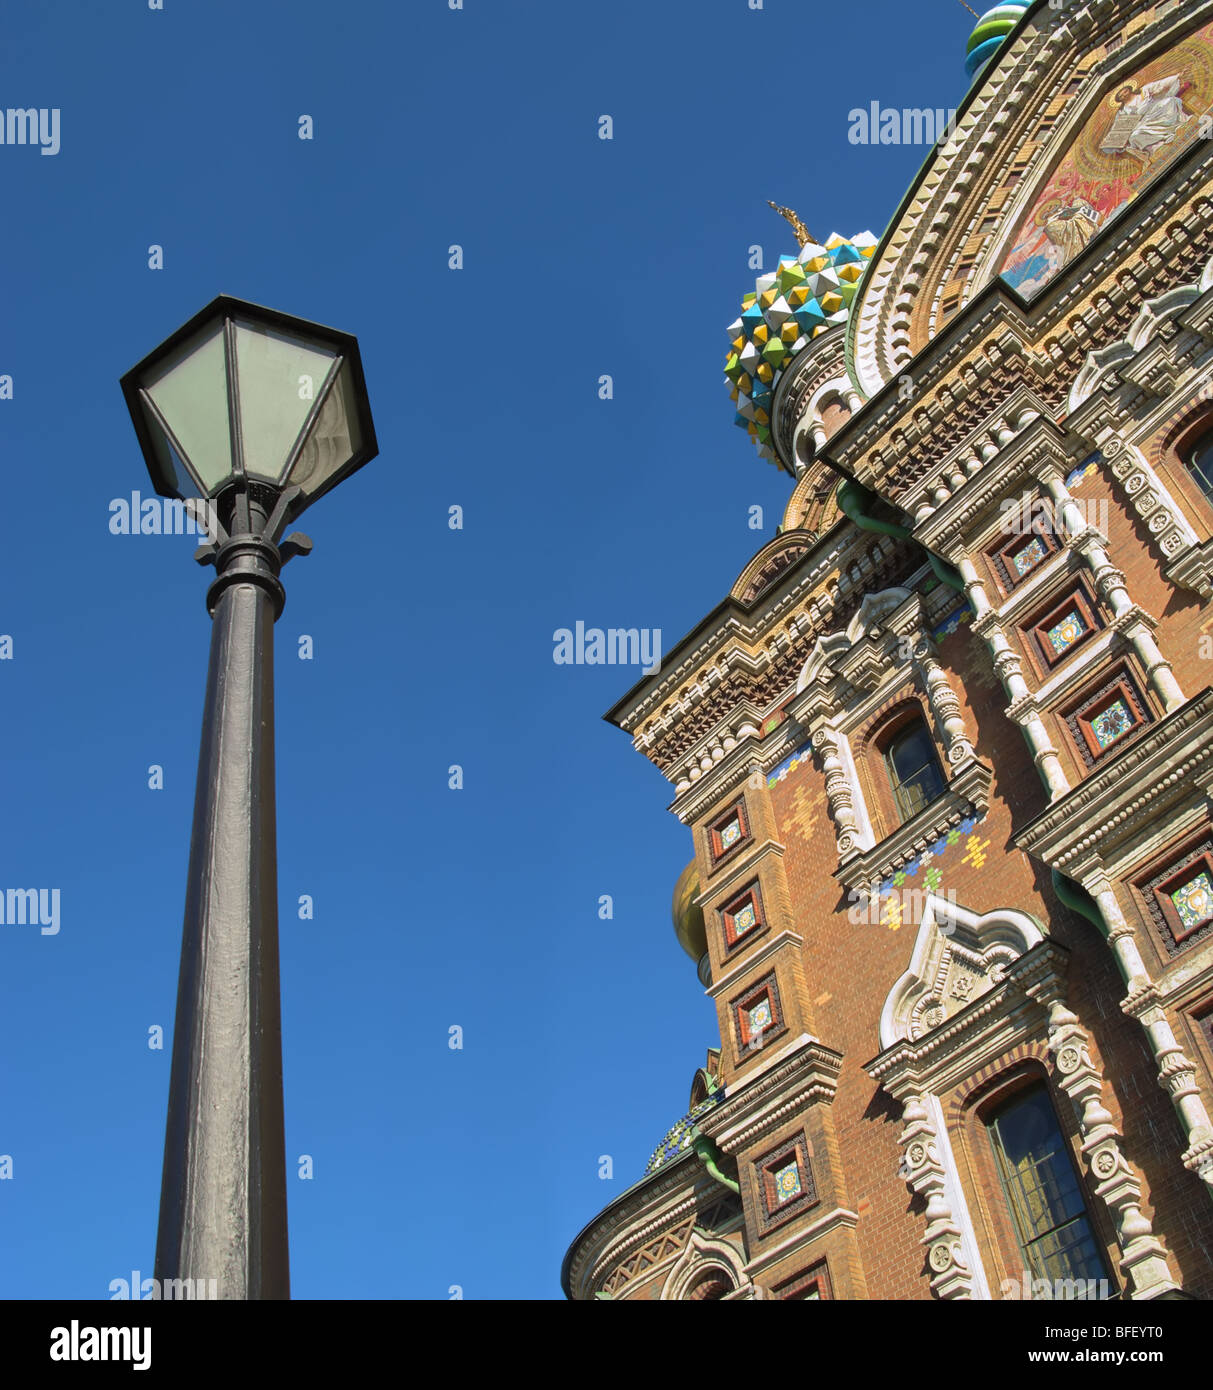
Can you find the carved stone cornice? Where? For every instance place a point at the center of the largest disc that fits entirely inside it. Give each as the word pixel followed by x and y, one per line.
pixel 739 654
pixel 1166 763
pixel 1038 445
pixel 806 1075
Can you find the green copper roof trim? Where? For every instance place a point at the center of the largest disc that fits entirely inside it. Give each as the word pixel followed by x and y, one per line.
pixel 854 500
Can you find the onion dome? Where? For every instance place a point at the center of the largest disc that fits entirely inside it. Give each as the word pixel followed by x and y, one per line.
pixel 678 1138
pixel 805 295
pixel 689 925
pixel 992 27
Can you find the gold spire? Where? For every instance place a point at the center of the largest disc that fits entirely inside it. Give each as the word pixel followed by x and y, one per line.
pixel 803 235
pixel 971 10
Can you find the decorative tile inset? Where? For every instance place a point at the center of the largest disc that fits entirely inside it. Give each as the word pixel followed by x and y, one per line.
pixel 760 1015
pixel 1029 556
pixel 800 758
pixel 1065 633
pixel 787 1183
pixel 744 920
pixel 784 1184
pixel 1194 901
pixel 730 833
pixel 1179 896
pixel 1111 723
pixel 1103 721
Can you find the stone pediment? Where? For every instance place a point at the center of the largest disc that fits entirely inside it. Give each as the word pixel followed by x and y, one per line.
pixel 958 957
pixel 866 650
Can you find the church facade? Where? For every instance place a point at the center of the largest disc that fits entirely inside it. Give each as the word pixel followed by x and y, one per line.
pixel 945 752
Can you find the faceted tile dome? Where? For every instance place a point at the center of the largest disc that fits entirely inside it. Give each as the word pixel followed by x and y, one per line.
pixel 678 1138
pixel 802 297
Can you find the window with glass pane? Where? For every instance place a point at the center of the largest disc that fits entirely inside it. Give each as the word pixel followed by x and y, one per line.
pixel 1200 464
pixel 914 769
pixel 1043 1192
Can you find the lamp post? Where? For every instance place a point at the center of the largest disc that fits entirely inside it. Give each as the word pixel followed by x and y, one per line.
pixel 248 416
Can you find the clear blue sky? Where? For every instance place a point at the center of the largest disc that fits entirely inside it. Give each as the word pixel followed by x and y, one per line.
pixel 433 907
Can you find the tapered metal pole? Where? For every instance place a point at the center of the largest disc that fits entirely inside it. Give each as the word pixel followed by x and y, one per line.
pixel 223 1195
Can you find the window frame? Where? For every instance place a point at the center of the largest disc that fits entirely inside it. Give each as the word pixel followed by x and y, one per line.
pixel 914 721
pixel 1027 1086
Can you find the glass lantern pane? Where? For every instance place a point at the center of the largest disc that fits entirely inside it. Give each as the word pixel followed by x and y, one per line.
pixel 190 390
pixel 173 473
pixel 278 379
pixel 333 440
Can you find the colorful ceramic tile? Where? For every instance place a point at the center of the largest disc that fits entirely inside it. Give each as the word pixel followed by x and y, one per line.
pixel 1065 633
pixel 760 1016
pixel 1029 556
pixel 1111 723
pixel 787 1183
pixel 730 834
pixel 744 919
pixel 1194 901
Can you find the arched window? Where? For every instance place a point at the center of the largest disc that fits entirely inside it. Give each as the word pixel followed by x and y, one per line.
pixel 1198 457
pixel 1045 1197
pixel 914 768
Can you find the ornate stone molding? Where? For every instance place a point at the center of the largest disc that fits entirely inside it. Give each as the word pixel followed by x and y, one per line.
pixel 700 1256
pixel 1168 762
pixel 1017 995
pixel 1142 488
pixel 925 1173
pixel 806 1075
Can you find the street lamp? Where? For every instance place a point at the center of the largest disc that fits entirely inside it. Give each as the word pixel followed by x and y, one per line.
pixel 248 416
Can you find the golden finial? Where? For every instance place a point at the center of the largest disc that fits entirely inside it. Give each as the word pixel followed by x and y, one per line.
pixel 803 235
pixel 971 10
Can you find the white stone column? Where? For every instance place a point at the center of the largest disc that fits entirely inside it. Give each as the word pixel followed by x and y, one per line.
pixel 944 705
pixel 839 792
pixel 922 1167
pixel 1176 1074
pixel 1009 670
pixel 1110 582
pixel 1143 1259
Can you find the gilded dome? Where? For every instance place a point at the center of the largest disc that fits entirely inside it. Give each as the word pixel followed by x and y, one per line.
pixel 689 926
